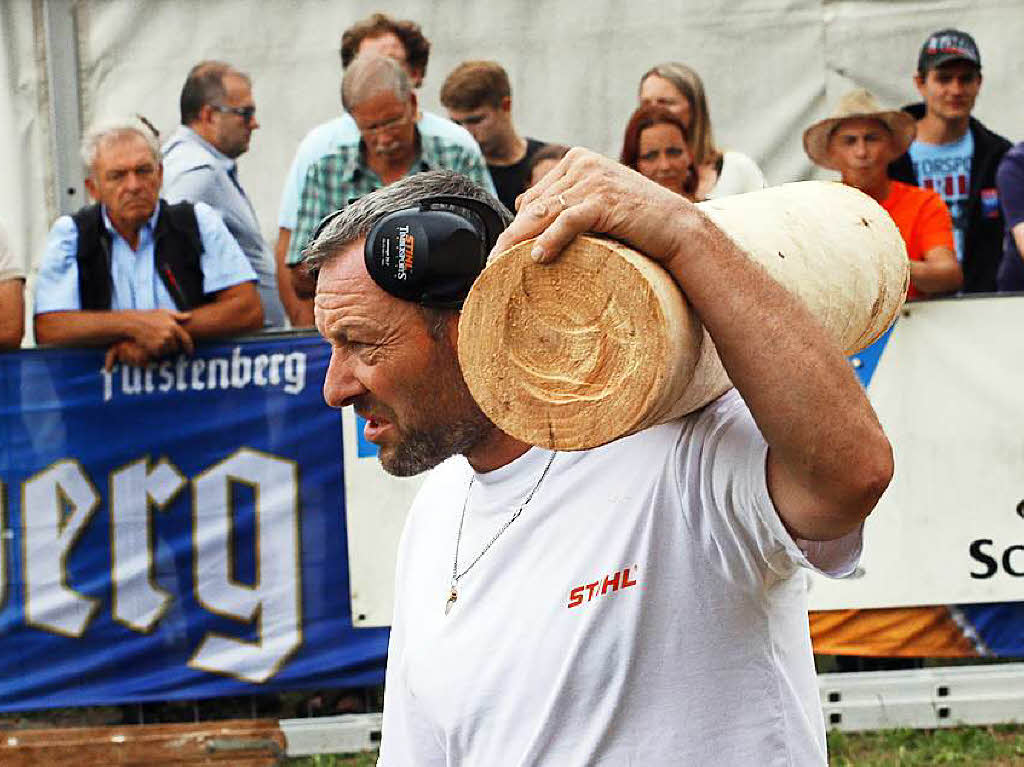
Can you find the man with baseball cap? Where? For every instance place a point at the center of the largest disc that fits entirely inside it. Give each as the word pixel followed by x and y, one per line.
pixel 859 140
pixel 955 154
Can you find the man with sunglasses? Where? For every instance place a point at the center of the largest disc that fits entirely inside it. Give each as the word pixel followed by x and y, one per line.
pixel 218 116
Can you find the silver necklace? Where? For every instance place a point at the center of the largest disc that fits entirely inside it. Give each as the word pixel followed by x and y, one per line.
pixel 453 593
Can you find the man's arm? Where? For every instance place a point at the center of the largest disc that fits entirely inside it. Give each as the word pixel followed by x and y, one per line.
pixel 828 459
pixel 12 313
pixel 300 311
pixel 1010 183
pixel 312 209
pixel 939 272
pixel 234 310
pixel 158 332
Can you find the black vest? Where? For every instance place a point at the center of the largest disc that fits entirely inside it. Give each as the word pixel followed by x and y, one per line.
pixel 176 253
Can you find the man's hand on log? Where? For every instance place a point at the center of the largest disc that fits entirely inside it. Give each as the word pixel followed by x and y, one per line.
pixel 587 192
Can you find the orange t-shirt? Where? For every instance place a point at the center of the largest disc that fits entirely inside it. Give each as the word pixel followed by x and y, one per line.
pixel 923 220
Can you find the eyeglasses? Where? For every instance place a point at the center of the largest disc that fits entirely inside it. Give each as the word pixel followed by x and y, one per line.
pixel 387 125
pixel 246 113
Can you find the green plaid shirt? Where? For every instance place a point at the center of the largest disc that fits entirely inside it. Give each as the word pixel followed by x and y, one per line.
pixel 343 175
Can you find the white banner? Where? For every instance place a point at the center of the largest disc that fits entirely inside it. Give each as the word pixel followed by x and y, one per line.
pixel 949 390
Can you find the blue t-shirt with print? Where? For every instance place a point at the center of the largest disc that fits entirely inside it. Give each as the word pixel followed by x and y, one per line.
pixel 946 169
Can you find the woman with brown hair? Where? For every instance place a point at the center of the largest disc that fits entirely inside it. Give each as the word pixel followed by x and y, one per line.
pixel 679 89
pixel 656 146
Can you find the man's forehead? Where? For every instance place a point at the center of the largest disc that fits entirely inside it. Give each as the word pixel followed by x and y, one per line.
pixel 346 271
pixel 237 87
pixel 125 149
pixel 861 125
pixel 346 290
pixel 385 44
pixel 957 67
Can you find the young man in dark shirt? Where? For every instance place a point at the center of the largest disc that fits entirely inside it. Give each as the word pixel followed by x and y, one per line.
pixel 955 155
pixel 478 97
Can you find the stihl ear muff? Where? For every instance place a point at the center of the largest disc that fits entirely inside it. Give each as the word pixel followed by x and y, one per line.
pixel 432 253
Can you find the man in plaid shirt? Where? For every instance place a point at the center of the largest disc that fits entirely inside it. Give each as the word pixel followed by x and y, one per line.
pixel 378 94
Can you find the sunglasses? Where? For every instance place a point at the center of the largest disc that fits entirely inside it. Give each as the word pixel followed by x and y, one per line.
pixel 246 113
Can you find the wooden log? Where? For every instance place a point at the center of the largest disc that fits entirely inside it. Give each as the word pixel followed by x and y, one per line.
pixel 601 343
pixel 238 743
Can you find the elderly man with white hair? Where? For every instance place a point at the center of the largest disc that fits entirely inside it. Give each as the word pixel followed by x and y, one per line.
pixel 131 272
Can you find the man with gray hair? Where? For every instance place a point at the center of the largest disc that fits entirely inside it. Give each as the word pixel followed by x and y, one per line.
pixel 145 278
pixel 378 94
pixel 218 116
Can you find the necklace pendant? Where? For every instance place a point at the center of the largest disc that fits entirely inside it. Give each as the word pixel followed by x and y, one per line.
pixel 451 600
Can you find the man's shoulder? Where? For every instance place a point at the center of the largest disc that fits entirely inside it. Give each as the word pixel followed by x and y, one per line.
pixel 182 152
pixel 988 140
pixel 918 196
pixel 326 137
pixel 336 159
pixel 433 125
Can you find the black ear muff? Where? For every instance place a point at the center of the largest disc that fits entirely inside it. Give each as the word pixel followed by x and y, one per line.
pixel 432 253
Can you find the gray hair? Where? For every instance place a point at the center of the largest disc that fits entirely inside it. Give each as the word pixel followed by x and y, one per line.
pixel 357 219
pixel 369 75
pixel 113 129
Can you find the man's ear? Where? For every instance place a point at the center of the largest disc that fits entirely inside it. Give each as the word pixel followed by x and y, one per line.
pixel 91 188
pixel 415 102
pixel 205 115
pixel 919 82
pixel 416 76
pixel 506 105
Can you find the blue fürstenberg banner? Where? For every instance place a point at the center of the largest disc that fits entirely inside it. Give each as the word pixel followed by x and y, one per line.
pixel 175 531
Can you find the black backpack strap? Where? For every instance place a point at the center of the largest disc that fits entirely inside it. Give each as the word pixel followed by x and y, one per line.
pixel 95 284
pixel 177 253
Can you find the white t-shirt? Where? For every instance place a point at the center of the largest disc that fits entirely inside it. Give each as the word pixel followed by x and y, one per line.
pixel 647 608
pixel 739 175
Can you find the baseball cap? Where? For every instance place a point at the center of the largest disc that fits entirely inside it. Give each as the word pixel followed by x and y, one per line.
pixel 947 45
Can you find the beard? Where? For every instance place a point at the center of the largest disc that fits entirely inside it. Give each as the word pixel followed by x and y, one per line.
pixel 424 448
pixel 445 419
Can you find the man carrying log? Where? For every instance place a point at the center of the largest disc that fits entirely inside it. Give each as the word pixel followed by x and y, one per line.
pixel 637 603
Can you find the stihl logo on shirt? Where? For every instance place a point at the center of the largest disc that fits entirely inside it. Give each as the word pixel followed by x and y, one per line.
pixel 609 584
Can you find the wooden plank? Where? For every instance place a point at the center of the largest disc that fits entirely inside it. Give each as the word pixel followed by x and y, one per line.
pixel 239 743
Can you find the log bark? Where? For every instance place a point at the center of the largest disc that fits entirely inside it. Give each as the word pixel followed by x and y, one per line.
pixel 601 343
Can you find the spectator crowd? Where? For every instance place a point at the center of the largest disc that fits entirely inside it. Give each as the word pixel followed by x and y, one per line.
pixel 171 251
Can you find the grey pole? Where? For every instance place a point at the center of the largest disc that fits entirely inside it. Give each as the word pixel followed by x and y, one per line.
pixel 65 104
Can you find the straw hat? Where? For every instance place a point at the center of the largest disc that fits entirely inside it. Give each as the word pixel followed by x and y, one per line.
pixel 859 103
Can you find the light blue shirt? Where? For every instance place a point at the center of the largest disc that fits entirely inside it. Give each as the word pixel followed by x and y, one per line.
pixel 136 284
pixel 196 171
pixel 946 169
pixel 343 131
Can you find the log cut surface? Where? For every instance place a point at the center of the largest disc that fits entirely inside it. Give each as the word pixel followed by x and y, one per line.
pixel 601 343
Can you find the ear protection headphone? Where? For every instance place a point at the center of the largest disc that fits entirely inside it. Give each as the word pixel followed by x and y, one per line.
pixel 432 253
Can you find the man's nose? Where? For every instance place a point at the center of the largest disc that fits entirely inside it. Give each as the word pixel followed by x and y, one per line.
pixel 340 384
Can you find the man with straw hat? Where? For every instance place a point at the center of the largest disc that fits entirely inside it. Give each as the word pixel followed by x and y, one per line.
pixel 859 140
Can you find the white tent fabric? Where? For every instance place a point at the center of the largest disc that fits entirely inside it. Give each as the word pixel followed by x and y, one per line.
pixel 771 67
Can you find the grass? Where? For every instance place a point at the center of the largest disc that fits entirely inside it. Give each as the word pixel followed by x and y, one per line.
pixel 333 760
pixel 996 746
